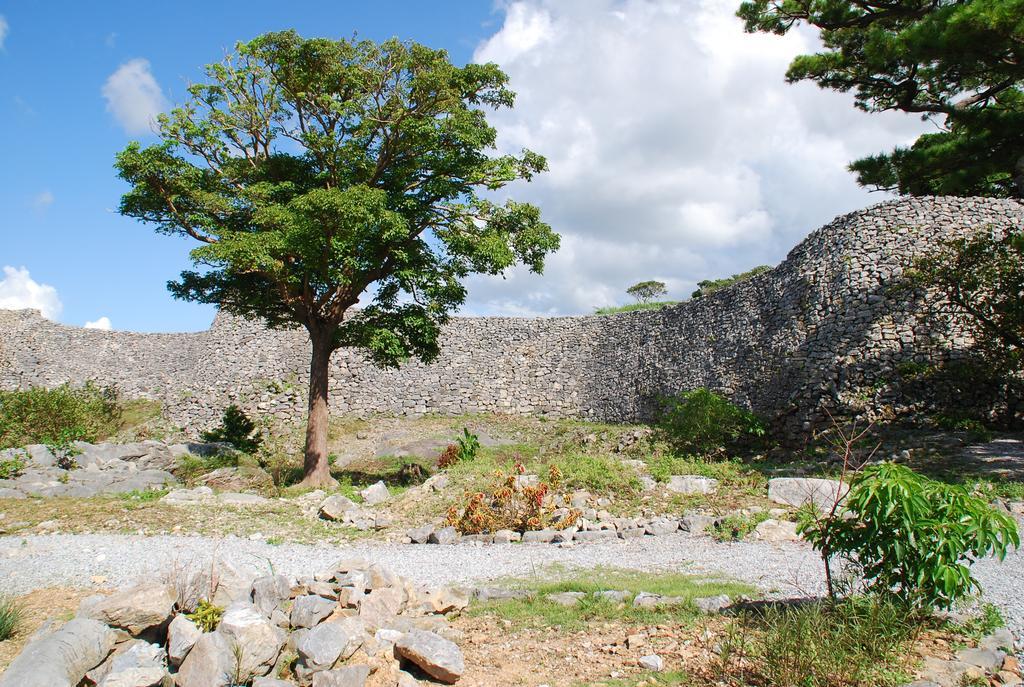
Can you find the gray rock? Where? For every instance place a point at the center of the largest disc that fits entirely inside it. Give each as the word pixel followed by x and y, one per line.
pixel 349 676
pixel 182 634
pixel 308 611
pixel 271 682
pixel 797 491
pixel 269 592
pixel 375 493
pixel 477 539
pixel 696 524
pixel 648 600
pixel 986 659
pixel 566 598
pixel 506 537
pixel 538 537
pixel 776 531
pixel 136 677
pixel 1000 640
pixel 632 533
pixel 139 609
pixel 616 596
pixel 596 535
pixel 320 648
pixel 40 456
pixel 421 535
pixel 500 594
pixel 260 640
pixel 691 484
pixel 652 662
pixel 61 658
pixel 712 604
pixel 445 535
pixel 335 507
pixel 434 655
pixel 210 663
pixel 660 526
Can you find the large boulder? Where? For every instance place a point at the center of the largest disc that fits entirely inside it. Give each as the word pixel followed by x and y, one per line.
pixel 776 531
pixel 375 493
pixel 349 676
pixel 308 611
pixel 259 639
pixel 335 507
pixel 182 634
pixel 691 484
pixel 799 491
pixel 434 655
pixel 138 610
pixel 269 592
pixel 62 658
pixel 327 643
pixel 210 663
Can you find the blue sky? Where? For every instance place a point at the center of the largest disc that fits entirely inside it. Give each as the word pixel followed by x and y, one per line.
pixel 677 151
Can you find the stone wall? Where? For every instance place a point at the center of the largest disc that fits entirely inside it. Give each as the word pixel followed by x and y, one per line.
pixel 824 323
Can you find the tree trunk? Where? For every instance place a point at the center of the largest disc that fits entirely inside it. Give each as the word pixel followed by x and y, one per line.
pixel 316 472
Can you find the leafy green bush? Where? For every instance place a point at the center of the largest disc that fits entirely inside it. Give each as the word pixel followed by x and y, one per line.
pixel 651 305
pixel 206 616
pixel 11 615
pixel 12 467
pixel 57 417
pixel 469 445
pixel 236 429
pixel 911 538
pixel 730 472
pixel 859 641
pixel 736 526
pixel 709 286
pixel 704 423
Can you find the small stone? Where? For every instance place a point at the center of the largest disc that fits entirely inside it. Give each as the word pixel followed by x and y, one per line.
pixel 566 598
pixel 420 535
pixel 375 493
pixel 445 535
pixel 335 507
pixel 182 634
pixel 691 484
pixel 652 662
pixel 308 611
pixel 349 676
pixel 712 604
pixel 986 659
pixel 634 641
pixel 137 610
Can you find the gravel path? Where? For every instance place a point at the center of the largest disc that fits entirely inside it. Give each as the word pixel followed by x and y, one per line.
pixel 28 563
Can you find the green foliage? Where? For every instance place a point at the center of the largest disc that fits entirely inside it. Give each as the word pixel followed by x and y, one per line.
pixel 11 616
pixel 12 467
pixel 982 280
pixel 647 291
pixel 58 416
pixel 912 539
pixel 736 526
pixel 702 422
pixel 317 173
pixel 206 616
pixel 469 445
pixel 615 309
pixel 856 642
pixel 956 63
pixel 731 473
pixel 709 286
pixel 190 466
pixel 143 495
pixel 236 429
pixel 988 619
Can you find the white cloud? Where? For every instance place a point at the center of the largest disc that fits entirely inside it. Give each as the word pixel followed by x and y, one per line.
pixel 677 151
pixel 43 200
pixel 102 323
pixel 4 30
pixel 134 96
pixel 19 291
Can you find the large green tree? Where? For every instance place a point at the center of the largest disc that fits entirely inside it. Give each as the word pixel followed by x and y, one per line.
pixel 317 174
pixel 959 63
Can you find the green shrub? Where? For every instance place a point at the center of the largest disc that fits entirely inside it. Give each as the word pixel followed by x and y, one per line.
pixel 236 429
pixel 57 417
pixel 911 538
pixel 652 305
pixel 206 616
pixel 709 286
pixel 469 445
pixel 732 473
pixel 12 467
pixel 736 526
pixel 859 641
pixel 704 423
pixel 11 614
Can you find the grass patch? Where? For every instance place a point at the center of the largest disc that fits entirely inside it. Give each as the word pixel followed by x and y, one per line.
pixel 11 615
pixel 540 612
pixel 597 474
pixel 731 473
pixel 615 309
pixel 143 495
pixel 736 526
pixel 856 642
pixel 987 621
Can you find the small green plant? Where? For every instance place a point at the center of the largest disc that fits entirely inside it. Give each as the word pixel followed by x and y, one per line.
pixel 11 468
pixel 11 615
pixel 597 474
pixel 709 286
pixel 236 429
pixel 206 616
pixel 465 447
pixel 143 495
pixel 736 526
pixel 988 619
pixel 911 538
pixel 469 445
pixel 702 422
